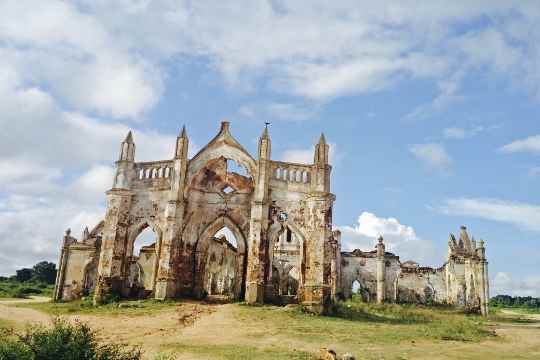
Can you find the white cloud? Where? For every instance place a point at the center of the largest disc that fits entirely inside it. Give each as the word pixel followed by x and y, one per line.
pixel 31 228
pixel 78 59
pixel 530 144
pixel 505 284
pixel 526 216
pixel 457 133
pixel 399 239
pixel 433 154
pixel 314 49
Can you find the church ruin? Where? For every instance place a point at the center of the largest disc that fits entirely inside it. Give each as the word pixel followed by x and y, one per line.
pixel 229 225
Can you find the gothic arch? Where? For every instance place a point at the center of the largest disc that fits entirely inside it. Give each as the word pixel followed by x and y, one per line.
pixel 133 233
pixel 241 157
pixel 201 247
pixel 90 270
pixel 274 233
pixel 137 228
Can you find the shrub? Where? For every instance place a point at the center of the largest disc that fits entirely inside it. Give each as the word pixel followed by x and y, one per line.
pixel 14 350
pixel 63 341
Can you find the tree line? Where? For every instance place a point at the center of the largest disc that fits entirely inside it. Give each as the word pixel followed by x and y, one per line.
pixel 42 272
pixel 515 301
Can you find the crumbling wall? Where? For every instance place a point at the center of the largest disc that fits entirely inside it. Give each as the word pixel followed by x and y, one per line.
pixel 422 285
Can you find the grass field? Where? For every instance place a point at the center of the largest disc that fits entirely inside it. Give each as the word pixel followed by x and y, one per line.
pixel 124 308
pixel 238 331
pixel 20 290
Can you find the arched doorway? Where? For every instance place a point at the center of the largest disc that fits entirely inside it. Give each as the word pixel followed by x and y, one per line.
pixel 141 262
pixel 359 292
pixel 287 264
pixel 90 277
pixel 220 261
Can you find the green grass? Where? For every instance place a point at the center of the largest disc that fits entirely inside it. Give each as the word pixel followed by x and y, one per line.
pixel 241 352
pixel 132 308
pixel 524 310
pixel 15 289
pixel 376 323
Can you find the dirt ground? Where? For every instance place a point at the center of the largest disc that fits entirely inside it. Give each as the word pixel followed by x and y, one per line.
pixel 216 325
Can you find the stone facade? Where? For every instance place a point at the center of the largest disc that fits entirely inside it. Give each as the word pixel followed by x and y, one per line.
pixel 280 215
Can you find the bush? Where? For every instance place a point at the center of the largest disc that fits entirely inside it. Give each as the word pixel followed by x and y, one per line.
pixel 64 341
pixel 14 350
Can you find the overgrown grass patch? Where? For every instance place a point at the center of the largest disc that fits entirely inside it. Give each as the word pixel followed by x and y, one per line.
pixel 22 290
pixel 359 323
pixel 240 352
pixel 124 307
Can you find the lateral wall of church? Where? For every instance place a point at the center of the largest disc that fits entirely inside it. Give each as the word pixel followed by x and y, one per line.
pixel 363 268
pixel 78 258
pixel 422 285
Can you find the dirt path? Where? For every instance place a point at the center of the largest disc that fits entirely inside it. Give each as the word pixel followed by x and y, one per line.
pixel 23 316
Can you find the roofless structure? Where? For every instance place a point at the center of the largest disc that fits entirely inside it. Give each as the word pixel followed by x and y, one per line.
pixel 231 225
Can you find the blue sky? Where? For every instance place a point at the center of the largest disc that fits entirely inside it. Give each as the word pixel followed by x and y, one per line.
pixel 430 109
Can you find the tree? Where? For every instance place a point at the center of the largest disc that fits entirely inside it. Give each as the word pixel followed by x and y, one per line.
pixel 24 274
pixel 44 271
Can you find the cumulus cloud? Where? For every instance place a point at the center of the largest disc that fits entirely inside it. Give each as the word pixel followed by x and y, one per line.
pixel 76 58
pixel 505 284
pixel 526 216
pixel 432 154
pixel 31 227
pixel 530 144
pixel 314 49
pixel 400 239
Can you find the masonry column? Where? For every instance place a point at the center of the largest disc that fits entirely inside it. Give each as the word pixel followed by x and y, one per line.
pixel 483 279
pixel 167 277
pixel 258 225
pixel 381 271
pixel 317 287
pixel 110 277
pixel 336 264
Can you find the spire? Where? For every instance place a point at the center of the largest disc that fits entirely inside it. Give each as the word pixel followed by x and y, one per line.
pixel 127 148
pixel 464 237
pixel 321 151
pixel 322 139
pixel 182 143
pixel 129 138
pixel 264 144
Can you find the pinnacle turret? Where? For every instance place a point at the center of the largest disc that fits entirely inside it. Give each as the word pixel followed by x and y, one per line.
pixel 129 138
pixel 182 143
pixel 322 139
